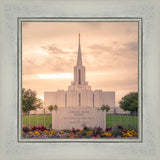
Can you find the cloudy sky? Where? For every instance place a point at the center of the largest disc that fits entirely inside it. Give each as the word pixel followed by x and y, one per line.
pixel 109 53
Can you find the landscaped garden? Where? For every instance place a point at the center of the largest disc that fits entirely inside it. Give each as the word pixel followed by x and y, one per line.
pixel 116 127
pixel 117 131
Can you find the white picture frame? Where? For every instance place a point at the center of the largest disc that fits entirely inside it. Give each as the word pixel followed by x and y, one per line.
pixel 22 20
pixel 11 147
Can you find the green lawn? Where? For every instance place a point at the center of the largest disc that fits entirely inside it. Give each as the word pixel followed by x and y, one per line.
pixel 36 120
pixel 124 120
pixel 46 120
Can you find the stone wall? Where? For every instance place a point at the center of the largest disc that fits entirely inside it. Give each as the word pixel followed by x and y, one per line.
pixel 78 118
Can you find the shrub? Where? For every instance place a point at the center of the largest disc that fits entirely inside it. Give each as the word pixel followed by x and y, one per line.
pixel 105 108
pixel 97 131
pixel 25 128
pixel 117 130
pixel 84 133
pixel 108 129
pixel 39 128
pixel 86 128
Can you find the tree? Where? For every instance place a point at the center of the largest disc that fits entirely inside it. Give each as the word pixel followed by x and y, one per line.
pixel 30 101
pixel 105 108
pixel 130 102
pixel 55 107
pixel 50 108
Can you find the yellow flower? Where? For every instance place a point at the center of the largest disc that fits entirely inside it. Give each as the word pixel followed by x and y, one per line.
pixel 68 131
pixel 53 132
pixel 70 136
pixel 23 133
pixel 107 134
pixel 89 133
pixel 37 133
pixel 124 134
pixel 129 134
pixel 61 132
pixel 46 132
pixel 30 132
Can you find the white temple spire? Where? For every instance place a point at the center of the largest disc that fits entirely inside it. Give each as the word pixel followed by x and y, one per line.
pixel 79 58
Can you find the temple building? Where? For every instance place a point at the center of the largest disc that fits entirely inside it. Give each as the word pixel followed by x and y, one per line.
pixel 79 93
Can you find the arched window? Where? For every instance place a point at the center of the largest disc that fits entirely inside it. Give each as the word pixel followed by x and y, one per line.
pixel 79 81
pixel 79 99
pixel 65 100
pixel 93 100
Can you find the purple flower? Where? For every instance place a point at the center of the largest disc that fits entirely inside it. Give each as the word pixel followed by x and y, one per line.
pixel 88 136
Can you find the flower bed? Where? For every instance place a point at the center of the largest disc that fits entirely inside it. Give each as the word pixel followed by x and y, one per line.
pixel 116 132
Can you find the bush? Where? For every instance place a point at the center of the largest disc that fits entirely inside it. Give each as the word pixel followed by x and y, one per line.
pixel 97 131
pixel 39 128
pixel 105 108
pixel 108 129
pixel 86 128
pixel 84 133
pixel 117 130
pixel 25 128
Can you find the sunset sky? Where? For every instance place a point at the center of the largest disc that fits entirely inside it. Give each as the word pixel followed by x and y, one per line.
pixel 109 53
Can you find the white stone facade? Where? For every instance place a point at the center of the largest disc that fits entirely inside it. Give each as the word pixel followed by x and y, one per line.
pixel 79 93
